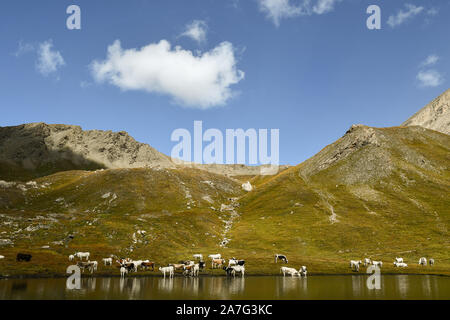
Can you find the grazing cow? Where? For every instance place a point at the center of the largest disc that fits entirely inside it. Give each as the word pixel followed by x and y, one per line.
pixel 198 256
pixel 235 262
pixel 423 261
pixel 71 257
pixel 123 271
pixel 23 257
pixel 400 264
pixel 377 263
pixel 366 262
pixel 217 263
pixel 303 271
pixel 431 261
pixel 215 256
pixel 354 265
pixel 147 265
pixel 282 257
pixel 107 261
pixel 398 260
pixel 170 270
pixel 237 269
pixel 290 271
pixel 81 255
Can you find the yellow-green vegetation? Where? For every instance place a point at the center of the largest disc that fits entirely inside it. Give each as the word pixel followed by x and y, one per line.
pixel 375 193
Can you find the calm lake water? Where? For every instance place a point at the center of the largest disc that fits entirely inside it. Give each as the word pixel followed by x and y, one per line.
pixel 251 288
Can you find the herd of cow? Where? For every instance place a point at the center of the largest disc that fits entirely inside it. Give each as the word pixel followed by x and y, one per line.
pixel 399 263
pixel 192 267
pixel 188 268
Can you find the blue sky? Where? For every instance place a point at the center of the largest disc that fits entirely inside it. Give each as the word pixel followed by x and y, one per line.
pixel 310 71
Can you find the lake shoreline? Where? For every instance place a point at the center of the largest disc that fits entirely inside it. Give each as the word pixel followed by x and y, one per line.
pixel 59 276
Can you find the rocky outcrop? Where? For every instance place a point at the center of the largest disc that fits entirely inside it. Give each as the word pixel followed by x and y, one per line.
pixel 434 116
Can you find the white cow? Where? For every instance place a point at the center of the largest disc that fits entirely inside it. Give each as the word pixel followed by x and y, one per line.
pixel 123 271
pixel 354 264
pixel 366 262
pixel 423 261
pixel 198 256
pixel 107 261
pixel 2 257
pixel 94 265
pixel 400 264
pixel 232 262
pixel 195 270
pixel 237 269
pixel 170 270
pixel 303 271
pixel 400 260
pixel 71 257
pixel 215 256
pixel 137 264
pixel 377 263
pixel 290 271
pixel 81 255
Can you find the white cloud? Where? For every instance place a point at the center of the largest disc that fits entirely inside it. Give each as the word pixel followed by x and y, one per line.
pixel 402 16
pixel 430 78
pixel 196 31
pixel 324 6
pixel 430 60
pixel 48 60
pixel 197 80
pixel 23 48
pixel 279 9
pixel 433 11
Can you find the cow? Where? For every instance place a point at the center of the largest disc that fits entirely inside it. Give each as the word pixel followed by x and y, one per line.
pixel 2 257
pixel 71 257
pixel 377 263
pixel 23 257
pixel 81 255
pixel 303 271
pixel 123 271
pixel 170 270
pixel 431 261
pixel 423 261
pixel 235 262
pixel 215 256
pixel 90 266
pixel 354 265
pixel 217 263
pixel 282 257
pixel 202 265
pixel 198 256
pixel 237 269
pixel 177 266
pixel 137 265
pixel 400 260
pixel 147 265
pixel 290 271
pixel 107 261
pixel 94 265
pixel 400 264
pixel 366 262
pixel 227 270
pixel 189 263
pixel 195 270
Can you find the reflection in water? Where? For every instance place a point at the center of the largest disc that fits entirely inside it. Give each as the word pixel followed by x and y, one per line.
pixel 402 286
pixel 314 287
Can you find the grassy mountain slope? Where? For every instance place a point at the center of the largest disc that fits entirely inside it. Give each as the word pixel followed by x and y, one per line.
pixel 376 193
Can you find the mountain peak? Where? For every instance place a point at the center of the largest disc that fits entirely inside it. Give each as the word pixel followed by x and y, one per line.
pixel 434 116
